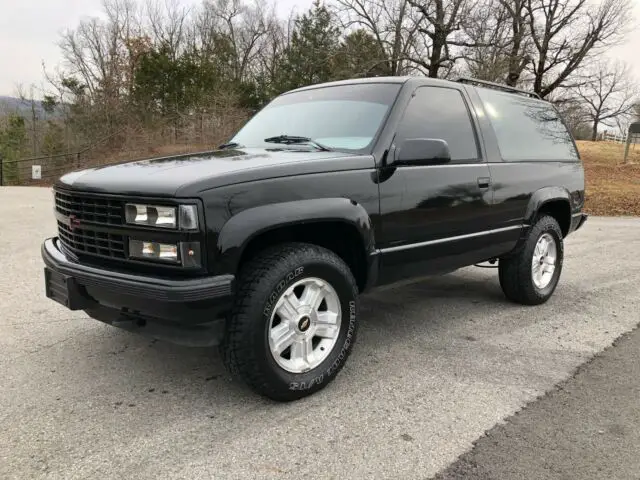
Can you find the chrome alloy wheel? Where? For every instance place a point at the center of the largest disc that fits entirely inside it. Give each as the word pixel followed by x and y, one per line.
pixel 305 325
pixel 543 264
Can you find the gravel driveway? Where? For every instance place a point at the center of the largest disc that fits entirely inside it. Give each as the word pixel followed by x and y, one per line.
pixel 437 363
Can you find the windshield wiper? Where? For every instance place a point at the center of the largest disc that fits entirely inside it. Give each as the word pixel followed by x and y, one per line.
pixel 229 145
pixel 294 140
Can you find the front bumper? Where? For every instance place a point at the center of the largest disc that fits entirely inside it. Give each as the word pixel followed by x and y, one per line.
pixel 187 312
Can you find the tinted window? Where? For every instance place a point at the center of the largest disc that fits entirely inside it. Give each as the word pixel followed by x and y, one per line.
pixel 527 129
pixel 345 117
pixel 440 113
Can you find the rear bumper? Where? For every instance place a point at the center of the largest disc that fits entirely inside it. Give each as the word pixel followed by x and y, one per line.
pixel 577 221
pixel 188 312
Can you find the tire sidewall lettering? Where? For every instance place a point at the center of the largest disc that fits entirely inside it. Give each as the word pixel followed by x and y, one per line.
pixel 335 365
pixel 275 294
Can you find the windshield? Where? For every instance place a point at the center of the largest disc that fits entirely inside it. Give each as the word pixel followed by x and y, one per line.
pixel 345 117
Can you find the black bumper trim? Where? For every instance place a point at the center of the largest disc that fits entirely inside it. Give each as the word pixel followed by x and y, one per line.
pixel 578 220
pixel 151 288
pixel 582 220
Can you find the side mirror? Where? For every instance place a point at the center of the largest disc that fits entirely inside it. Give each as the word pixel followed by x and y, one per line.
pixel 422 151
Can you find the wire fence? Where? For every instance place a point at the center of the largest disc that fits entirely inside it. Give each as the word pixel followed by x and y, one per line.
pixel 45 170
pixel 35 170
pixel 180 135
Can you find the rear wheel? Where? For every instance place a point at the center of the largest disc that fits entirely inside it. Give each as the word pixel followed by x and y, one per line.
pixel 531 275
pixel 294 321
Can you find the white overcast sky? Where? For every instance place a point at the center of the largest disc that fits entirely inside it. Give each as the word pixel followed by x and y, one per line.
pixel 29 30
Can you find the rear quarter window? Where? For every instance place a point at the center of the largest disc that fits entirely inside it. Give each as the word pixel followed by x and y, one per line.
pixel 527 129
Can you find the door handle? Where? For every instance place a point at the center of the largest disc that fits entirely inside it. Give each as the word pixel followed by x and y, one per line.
pixel 484 182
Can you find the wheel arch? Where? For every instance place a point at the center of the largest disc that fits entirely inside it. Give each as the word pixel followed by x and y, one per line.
pixel 339 224
pixel 553 201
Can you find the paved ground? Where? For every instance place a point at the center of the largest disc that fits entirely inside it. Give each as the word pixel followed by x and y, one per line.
pixel 587 428
pixel 437 364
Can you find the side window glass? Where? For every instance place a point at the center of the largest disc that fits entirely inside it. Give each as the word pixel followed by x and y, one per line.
pixel 527 129
pixel 438 112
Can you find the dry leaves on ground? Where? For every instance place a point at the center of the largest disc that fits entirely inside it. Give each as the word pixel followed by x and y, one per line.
pixel 613 188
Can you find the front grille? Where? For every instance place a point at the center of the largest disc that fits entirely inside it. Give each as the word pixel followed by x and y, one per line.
pixel 90 209
pixel 93 214
pixel 84 240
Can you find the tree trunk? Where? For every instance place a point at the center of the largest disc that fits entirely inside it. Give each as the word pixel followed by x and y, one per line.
pixel 436 54
pixel 594 130
pixel 34 130
pixel 516 60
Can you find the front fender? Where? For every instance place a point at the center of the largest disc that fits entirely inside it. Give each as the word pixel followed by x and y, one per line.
pixel 240 229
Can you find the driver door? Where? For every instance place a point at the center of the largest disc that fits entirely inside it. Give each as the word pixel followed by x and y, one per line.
pixel 435 218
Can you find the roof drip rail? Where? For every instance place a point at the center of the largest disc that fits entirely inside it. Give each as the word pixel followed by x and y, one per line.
pixel 497 86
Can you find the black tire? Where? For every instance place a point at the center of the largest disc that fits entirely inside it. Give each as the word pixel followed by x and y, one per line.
pixel 515 273
pixel 245 349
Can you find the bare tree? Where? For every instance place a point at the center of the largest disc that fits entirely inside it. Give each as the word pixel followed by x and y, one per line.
pixel 519 54
pixel 393 23
pixel 28 99
pixel 274 44
pixel 168 22
pixel 500 43
pixel 96 51
pixel 444 25
pixel 574 112
pixel 489 31
pixel 609 95
pixel 566 32
pixel 100 60
pixel 245 27
pixel 86 51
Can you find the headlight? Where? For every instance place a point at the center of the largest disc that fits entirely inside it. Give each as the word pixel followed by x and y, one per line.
pixel 165 252
pixel 185 253
pixel 185 216
pixel 151 215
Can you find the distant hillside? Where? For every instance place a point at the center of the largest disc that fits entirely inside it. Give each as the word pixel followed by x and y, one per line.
pixel 22 107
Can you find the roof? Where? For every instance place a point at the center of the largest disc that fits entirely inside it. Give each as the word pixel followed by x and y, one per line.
pixel 422 80
pixel 354 81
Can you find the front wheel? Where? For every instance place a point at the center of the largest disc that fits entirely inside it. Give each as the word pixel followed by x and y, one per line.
pixel 531 276
pixel 294 321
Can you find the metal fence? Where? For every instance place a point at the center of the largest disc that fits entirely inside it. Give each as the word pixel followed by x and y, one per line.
pixel 180 135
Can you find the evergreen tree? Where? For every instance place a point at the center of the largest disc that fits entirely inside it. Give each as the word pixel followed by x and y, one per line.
pixel 13 140
pixel 360 55
pixel 53 144
pixel 310 57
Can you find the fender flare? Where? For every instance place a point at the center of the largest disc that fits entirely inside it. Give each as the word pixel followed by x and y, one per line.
pixel 543 196
pixel 243 227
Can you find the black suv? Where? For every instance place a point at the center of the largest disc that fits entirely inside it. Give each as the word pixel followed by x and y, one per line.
pixel 262 246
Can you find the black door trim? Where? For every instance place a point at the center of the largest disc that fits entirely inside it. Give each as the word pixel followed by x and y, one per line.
pixel 448 239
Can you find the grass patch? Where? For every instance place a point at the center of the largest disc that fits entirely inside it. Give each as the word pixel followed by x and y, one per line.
pixel 612 188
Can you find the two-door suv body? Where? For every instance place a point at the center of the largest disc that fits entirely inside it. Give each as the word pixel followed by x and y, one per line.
pixel 263 245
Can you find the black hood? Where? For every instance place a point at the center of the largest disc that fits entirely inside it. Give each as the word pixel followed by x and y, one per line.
pixel 188 175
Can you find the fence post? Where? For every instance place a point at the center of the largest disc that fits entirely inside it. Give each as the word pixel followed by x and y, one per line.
pixel 626 149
